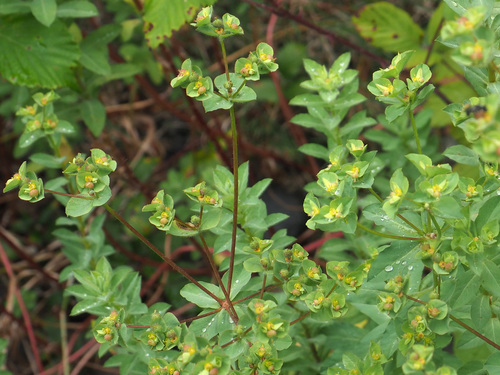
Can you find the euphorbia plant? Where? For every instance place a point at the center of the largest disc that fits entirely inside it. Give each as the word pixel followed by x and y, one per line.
pixel 413 277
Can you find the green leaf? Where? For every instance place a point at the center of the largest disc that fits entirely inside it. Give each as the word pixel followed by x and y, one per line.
pixel 246 94
pixel 480 312
pixel 77 9
pixel 488 212
pixel 318 151
pixel 305 120
pixel 307 100
pixel 396 226
pixel 162 17
pixel 14 7
pixel 78 206
pixel 492 365
pixel 211 218
pixel 448 208
pixel 388 27
pixel 216 102
pixel 478 77
pixel 37 55
pixel 462 154
pixel 466 288
pixel 241 277
pixel 393 112
pixel 490 277
pixel 49 161
pixel 95 48
pixel 194 294
pixel 44 11
pixel 28 138
pixel 94 115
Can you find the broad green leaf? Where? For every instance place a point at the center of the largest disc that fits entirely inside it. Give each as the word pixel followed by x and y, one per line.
pixel 318 151
pixel 211 218
pixel 306 120
pixel 466 288
pixel 448 208
pixel 492 365
pixel 216 102
pixel 398 259
pixel 162 17
pixel 14 7
pixel 384 25
pixel 78 206
pixel 194 294
pixel 462 154
pixel 49 161
pixel 480 312
pixel 478 77
pixel 95 50
pixel 241 277
pixel 307 100
pixel 102 197
pixel 490 277
pixel 118 71
pixel 246 94
pixel 77 9
pixel 376 214
pixel 34 55
pixel 91 305
pixel 44 11
pixel 94 115
pixel 28 138
pixel 488 212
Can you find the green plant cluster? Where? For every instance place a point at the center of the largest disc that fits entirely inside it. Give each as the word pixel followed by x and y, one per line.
pixel 412 285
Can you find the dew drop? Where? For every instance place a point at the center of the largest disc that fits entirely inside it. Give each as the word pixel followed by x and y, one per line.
pixel 237 281
pixel 398 261
pixel 209 324
pixel 410 268
pixel 213 319
pixel 404 263
pixel 389 268
pixel 231 321
pixel 204 330
pixel 454 3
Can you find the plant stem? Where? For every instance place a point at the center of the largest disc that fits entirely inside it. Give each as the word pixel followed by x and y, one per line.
pixel 264 280
pixel 172 264
pixel 300 318
pixel 415 132
pixel 375 194
pixel 231 311
pixel 398 215
pixel 67 195
pixel 234 134
pixel 434 221
pixel 241 86
pixel 361 226
pixel 224 58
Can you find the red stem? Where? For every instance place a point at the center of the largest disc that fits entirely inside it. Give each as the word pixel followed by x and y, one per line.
pixel 22 306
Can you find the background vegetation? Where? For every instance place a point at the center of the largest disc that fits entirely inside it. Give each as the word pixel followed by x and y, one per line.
pixel 111 63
